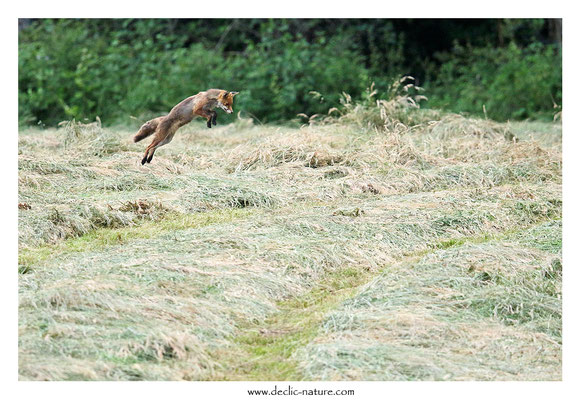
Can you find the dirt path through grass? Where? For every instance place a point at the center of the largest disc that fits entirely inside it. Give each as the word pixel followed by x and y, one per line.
pixel 264 351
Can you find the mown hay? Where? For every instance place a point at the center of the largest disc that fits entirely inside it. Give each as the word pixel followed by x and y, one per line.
pixel 157 272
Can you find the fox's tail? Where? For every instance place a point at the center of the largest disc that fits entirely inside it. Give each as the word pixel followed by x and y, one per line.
pixel 147 129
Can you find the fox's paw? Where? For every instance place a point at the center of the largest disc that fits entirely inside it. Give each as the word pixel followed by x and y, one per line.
pixel 143 161
pixel 209 124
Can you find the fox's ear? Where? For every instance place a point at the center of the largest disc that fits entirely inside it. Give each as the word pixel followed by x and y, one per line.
pixel 234 93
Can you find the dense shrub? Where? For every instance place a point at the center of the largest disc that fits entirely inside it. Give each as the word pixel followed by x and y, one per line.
pixel 67 71
pixel 511 82
pixel 117 69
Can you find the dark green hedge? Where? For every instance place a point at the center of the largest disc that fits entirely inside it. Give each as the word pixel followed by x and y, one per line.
pixel 509 83
pixel 116 69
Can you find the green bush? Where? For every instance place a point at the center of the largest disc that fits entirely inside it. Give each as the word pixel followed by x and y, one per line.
pixel 69 71
pixel 118 68
pixel 511 82
pixel 280 73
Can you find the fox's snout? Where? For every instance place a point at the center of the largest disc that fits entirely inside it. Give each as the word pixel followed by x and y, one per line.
pixel 226 108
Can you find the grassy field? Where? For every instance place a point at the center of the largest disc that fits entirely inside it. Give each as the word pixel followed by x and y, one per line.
pixel 344 250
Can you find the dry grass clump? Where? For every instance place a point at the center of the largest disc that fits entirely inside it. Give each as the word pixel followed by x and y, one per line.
pixel 423 174
pixel 456 139
pixel 546 237
pixel 144 208
pixel 304 147
pixel 398 112
pixel 57 223
pixel 176 345
pixel 37 167
pixel 416 347
pixel 454 125
pixel 89 138
pixel 209 193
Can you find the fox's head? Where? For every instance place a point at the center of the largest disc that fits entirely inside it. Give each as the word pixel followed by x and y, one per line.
pixel 225 100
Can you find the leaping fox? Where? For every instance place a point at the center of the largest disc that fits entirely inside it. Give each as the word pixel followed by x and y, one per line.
pixel 165 127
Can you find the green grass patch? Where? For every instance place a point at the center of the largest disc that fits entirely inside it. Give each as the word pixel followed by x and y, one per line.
pixel 267 347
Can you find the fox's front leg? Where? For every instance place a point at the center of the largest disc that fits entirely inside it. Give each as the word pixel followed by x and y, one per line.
pixel 208 114
pixel 211 118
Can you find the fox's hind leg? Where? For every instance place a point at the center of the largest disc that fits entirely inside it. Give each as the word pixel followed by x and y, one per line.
pixel 151 155
pixel 144 159
pixel 150 151
pixel 147 155
pixel 153 146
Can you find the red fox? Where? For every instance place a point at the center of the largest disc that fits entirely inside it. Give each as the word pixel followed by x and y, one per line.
pixel 165 127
